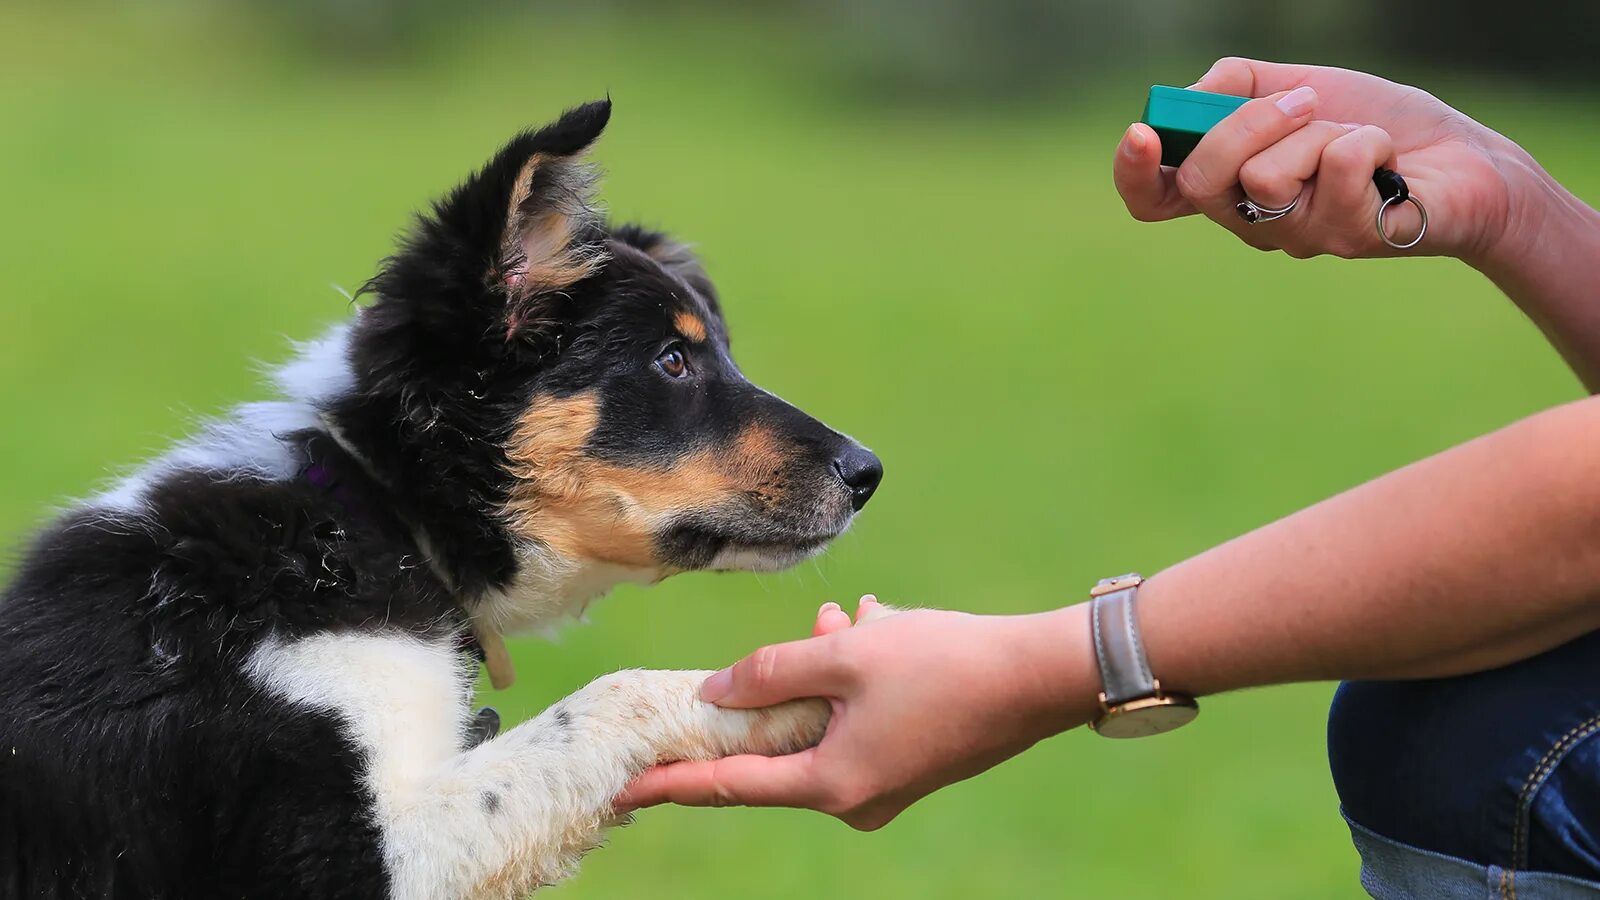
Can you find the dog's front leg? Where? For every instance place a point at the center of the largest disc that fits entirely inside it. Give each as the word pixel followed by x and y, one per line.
pixel 519 811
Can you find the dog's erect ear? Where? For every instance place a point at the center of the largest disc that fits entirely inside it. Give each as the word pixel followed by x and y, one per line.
pixel 551 237
pixel 520 229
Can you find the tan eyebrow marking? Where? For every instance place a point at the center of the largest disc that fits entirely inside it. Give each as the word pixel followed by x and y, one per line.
pixel 690 326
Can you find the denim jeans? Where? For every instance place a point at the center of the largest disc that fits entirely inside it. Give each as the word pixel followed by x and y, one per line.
pixel 1486 785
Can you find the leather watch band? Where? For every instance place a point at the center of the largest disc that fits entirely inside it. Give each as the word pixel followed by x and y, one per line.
pixel 1124 669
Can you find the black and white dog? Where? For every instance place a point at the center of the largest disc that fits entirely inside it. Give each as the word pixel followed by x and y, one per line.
pixel 247 670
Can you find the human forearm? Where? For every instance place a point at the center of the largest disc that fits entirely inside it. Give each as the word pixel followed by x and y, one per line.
pixel 1476 557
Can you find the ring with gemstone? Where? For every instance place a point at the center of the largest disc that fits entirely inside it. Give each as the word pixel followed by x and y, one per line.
pixel 1254 213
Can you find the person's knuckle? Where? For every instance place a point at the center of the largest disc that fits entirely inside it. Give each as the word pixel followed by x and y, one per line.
pixel 762 671
pixel 1255 172
pixel 1258 120
pixel 1329 131
pixel 1228 65
pixel 1264 176
pixel 718 790
pixel 1343 156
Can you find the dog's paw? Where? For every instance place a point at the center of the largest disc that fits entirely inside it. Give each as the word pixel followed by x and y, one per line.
pixel 662 713
pixel 770 731
pixel 787 727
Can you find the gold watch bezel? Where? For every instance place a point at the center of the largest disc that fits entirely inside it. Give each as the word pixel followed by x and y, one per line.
pixel 1145 716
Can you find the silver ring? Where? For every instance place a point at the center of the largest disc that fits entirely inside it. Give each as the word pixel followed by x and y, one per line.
pixel 1254 213
pixel 1383 233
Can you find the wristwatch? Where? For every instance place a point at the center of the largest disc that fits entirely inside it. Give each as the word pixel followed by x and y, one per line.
pixel 1132 703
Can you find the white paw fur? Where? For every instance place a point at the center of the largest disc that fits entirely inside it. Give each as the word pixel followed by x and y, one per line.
pixel 518 811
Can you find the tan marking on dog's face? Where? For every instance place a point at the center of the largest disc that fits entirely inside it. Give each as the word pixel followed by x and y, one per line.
pixel 758 459
pixel 590 509
pixel 690 326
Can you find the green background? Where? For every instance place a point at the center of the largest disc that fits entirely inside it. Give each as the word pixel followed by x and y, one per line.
pixel 1058 392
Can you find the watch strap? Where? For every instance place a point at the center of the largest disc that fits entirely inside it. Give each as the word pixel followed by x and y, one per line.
pixel 1124 668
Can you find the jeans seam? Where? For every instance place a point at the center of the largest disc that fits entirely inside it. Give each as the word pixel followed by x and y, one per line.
pixel 1519 830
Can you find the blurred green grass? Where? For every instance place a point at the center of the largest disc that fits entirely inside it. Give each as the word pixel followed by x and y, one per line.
pixel 1058 392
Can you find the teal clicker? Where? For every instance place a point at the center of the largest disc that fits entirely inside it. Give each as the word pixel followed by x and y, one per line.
pixel 1182 117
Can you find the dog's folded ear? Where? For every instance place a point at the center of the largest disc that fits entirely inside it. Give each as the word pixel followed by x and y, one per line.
pixel 522 228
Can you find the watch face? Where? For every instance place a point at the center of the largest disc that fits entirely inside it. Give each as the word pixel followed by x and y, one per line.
pixel 1151 715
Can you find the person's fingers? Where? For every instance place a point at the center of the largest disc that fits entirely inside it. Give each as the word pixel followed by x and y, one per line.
pixel 1346 202
pixel 865 607
pixel 1241 77
pixel 1209 178
pixel 730 781
pixel 776 673
pixel 1277 175
pixel 830 618
pixel 649 789
pixel 1148 190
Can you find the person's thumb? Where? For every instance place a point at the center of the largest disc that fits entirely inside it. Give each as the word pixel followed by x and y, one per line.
pixel 776 673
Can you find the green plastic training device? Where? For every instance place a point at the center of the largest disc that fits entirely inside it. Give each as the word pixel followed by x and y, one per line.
pixel 1181 117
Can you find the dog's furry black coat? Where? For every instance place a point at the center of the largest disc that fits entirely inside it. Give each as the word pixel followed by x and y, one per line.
pixel 138 760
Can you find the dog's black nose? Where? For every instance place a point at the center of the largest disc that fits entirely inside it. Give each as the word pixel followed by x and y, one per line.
pixel 861 472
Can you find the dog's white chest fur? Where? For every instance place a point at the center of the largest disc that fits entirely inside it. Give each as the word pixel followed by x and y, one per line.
pixel 402 700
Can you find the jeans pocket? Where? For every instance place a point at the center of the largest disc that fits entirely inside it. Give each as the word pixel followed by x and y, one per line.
pixel 1557 824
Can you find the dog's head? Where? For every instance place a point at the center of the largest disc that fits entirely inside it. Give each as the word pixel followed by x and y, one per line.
pixel 567 384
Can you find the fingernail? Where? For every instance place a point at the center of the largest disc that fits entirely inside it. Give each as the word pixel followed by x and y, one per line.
pixel 1349 126
pixel 869 598
pixel 1297 102
pixel 1201 80
pixel 717 686
pixel 829 607
pixel 1133 141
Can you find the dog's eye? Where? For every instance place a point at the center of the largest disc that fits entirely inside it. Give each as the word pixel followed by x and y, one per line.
pixel 672 363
